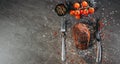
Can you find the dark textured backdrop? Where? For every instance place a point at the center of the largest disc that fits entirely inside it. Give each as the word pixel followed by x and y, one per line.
pixel 29 31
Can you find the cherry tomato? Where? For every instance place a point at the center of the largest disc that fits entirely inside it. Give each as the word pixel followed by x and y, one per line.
pixel 91 10
pixel 84 4
pixel 76 5
pixel 77 12
pixel 72 12
pixel 85 12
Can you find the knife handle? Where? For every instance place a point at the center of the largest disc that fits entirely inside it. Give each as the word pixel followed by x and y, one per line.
pixel 98 59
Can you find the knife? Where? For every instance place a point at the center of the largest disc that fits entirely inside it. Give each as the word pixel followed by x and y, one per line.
pixel 99 46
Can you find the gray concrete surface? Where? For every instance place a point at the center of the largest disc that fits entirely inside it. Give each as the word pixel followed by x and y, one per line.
pixel 27 30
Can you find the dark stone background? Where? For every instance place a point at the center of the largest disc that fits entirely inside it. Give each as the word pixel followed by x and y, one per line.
pixel 30 31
